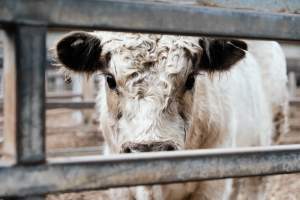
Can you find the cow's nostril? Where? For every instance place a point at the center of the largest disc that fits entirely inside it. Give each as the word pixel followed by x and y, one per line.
pixel 126 150
pixel 170 147
pixel 131 147
pixel 163 146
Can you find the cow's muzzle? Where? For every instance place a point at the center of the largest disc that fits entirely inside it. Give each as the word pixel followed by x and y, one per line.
pixel 131 147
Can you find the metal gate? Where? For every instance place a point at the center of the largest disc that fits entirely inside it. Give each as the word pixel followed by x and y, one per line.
pixel 27 174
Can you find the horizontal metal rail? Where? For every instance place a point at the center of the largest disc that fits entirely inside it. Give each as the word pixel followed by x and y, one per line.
pixel 63 95
pixel 57 104
pixel 290 6
pixel 85 173
pixel 153 17
pixel 295 102
pixel 70 105
pixel 58 95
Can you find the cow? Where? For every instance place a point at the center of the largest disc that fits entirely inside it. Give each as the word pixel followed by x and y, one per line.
pixel 168 93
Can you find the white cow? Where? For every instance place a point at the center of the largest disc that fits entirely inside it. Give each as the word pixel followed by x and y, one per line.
pixel 164 93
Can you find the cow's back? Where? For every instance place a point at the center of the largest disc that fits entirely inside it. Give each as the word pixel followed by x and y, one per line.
pixel 271 59
pixel 236 106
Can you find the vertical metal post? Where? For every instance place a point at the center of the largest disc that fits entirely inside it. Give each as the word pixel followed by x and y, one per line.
pixel 24 95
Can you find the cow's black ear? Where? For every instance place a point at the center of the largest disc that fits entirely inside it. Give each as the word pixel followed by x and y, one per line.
pixel 80 52
pixel 220 55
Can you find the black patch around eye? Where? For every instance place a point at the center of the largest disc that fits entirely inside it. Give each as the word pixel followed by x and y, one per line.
pixel 189 84
pixel 111 82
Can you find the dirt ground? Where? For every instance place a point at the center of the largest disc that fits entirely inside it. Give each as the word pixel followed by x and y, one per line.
pixel 76 138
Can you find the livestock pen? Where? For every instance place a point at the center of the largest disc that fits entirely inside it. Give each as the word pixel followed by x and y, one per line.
pixel 26 173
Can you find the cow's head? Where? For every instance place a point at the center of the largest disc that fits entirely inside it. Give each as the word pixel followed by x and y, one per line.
pixel 147 82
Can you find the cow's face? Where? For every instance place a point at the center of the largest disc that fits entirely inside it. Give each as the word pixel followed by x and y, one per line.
pixel 147 83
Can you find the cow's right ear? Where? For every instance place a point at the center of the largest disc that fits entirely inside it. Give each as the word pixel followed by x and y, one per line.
pixel 80 52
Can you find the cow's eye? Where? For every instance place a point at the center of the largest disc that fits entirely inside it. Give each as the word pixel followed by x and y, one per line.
pixel 189 84
pixel 111 82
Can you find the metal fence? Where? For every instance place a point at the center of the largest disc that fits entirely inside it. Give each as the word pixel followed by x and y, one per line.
pixel 27 174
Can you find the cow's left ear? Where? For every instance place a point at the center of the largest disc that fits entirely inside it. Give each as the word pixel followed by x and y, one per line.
pixel 220 54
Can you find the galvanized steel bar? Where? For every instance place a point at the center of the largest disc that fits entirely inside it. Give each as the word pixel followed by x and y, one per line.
pixel 66 175
pixel 24 68
pixel 295 102
pixel 153 17
pixel 31 62
pixel 56 104
pixel 289 6
pixel 24 95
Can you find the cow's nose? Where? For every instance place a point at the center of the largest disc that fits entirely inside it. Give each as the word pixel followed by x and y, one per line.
pixel 131 147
